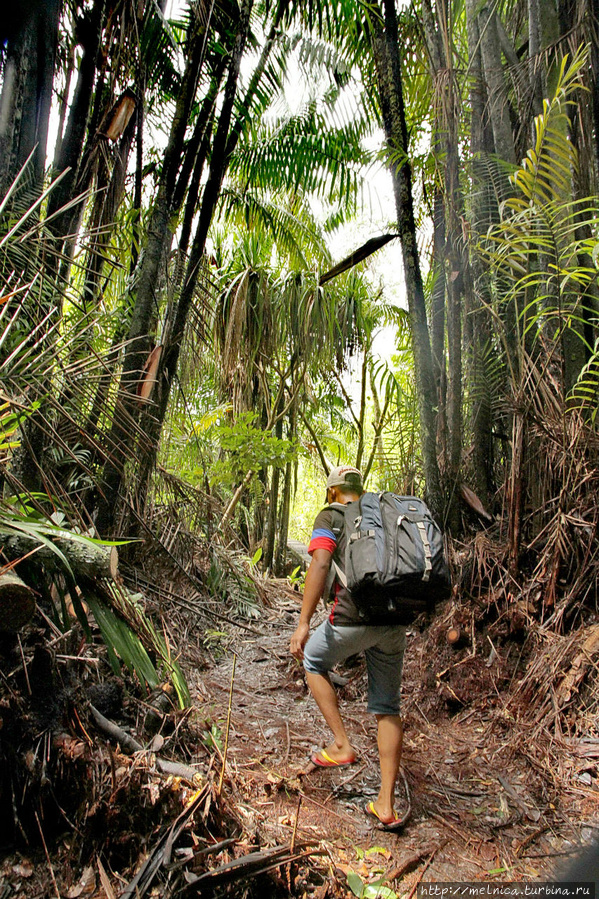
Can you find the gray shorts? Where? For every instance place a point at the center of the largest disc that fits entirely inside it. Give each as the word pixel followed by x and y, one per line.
pixel 383 647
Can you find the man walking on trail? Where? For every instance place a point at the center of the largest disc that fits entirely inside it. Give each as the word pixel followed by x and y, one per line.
pixel 345 633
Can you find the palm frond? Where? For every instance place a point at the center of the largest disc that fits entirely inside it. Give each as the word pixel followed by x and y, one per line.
pixel 585 393
pixel 536 252
pixel 309 152
pixel 548 165
pixel 286 219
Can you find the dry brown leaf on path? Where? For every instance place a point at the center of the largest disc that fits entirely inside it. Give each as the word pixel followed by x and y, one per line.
pixel 86 885
pixel 105 881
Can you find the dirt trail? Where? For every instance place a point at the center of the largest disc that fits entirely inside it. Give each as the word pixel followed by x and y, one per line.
pixel 479 812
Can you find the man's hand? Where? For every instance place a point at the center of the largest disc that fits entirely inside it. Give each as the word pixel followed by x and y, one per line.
pixel 299 640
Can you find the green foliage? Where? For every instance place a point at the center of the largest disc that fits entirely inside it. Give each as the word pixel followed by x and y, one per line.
pixel 546 171
pixel 219 449
pixel 283 218
pixel 231 580
pixel 122 614
pixel 12 417
pixel 374 890
pixel 585 392
pixel 213 738
pixel 28 515
pixel 489 375
pixel 122 643
pixel 216 642
pixel 297 578
pixel 125 628
pixel 536 254
pixel 247 448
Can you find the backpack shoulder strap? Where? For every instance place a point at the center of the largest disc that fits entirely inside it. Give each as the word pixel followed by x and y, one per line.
pixel 335 570
pixel 339 514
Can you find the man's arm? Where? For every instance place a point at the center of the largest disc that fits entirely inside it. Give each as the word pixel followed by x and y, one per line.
pixel 316 578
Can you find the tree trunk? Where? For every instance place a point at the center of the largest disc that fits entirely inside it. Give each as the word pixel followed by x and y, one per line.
pixel 27 90
pixel 446 139
pixel 71 151
pixel 458 276
pixel 594 59
pixel 379 423
pixel 362 413
pixel 484 212
pixel 224 144
pixel 102 220
pixel 496 85
pixel 438 296
pixel 285 509
pixel 536 68
pixel 271 524
pixel 386 56
pixel 87 559
pixel 203 137
pixel 159 231
pixel 144 312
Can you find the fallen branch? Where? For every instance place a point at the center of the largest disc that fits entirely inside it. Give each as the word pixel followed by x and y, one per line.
pixel 162 852
pixel 425 868
pixel 130 745
pixel 87 559
pixel 411 862
pixel 252 865
pixel 340 787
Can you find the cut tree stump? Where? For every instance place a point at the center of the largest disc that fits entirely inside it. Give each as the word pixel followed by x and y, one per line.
pixel 89 560
pixel 453 635
pixel 17 602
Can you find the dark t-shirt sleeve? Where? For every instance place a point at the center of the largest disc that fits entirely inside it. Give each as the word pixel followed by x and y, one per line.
pixel 323 536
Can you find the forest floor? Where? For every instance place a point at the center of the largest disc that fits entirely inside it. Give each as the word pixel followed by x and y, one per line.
pixel 482 807
pixel 501 752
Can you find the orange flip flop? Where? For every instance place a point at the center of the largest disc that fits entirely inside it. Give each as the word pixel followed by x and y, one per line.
pixel 323 760
pixel 398 822
pixel 392 826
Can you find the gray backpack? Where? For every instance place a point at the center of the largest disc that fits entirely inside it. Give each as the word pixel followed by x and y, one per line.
pixel 395 565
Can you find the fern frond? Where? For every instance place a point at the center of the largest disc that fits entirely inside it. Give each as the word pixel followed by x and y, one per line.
pixel 549 164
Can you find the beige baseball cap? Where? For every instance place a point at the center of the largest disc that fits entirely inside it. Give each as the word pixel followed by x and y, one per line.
pixel 345 475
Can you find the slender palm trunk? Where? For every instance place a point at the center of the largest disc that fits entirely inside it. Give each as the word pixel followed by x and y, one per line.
pixel 438 295
pixel 484 212
pixel 271 523
pixel 453 255
pixel 362 412
pixel 145 308
pixel 594 44
pixel 225 141
pixel 197 155
pixel 496 85
pixel 385 44
pixel 27 90
pixel 285 509
pixel 459 277
pixel 71 150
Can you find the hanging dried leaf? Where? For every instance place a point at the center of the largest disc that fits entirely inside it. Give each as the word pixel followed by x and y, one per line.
pixel 148 378
pixel 472 500
pixel 119 116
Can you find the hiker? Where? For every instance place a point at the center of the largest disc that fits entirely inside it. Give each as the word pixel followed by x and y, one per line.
pixel 344 633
